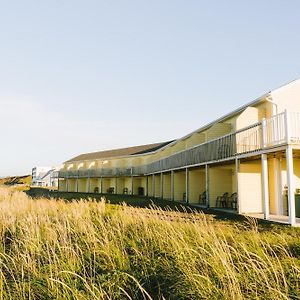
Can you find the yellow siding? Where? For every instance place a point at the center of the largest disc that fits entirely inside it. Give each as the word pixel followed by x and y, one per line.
pixel 72 185
pixel 221 180
pixel 195 139
pixel 157 186
pixel 217 130
pixel 150 186
pixel 63 185
pixel 179 185
pixel 196 184
pixel 250 190
pixel 167 186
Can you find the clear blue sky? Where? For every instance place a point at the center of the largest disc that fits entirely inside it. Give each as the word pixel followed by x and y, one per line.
pixel 81 76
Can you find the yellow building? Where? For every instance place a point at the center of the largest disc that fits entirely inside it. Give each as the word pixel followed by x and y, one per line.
pixel 247 162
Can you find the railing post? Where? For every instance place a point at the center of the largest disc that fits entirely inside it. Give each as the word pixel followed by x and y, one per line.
pixel 263 133
pixel 287 126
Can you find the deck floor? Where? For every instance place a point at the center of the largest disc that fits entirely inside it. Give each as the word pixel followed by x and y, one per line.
pixel 276 218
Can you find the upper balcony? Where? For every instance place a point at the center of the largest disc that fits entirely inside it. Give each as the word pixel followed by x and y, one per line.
pixel 277 131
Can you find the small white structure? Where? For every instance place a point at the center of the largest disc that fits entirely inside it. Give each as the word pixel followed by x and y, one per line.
pixel 45 176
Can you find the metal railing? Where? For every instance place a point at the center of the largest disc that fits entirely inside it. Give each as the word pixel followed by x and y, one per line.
pixel 275 131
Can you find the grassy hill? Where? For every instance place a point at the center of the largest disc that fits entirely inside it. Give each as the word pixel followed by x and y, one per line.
pixel 14 180
pixel 88 249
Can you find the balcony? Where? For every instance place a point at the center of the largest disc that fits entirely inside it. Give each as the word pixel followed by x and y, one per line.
pixel 277 131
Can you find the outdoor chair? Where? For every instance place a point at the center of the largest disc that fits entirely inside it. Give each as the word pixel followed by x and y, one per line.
pixel 222 201
pixel 96 190
pixel 111 190
pixel 202 198
pixel 125 191
pixel 233 200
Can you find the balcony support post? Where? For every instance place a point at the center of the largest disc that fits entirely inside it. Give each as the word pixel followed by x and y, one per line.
pixel 290 184
pixel 131 185
pixel 146 190
pixel 153 185
pixel 116 185
pixel 101 185
pixel 207 185
pixel 172 185
pixel 89 184
pixel 67 184
pixel 265 185
pixel 187 185
pixel 161 185
pixel 237 170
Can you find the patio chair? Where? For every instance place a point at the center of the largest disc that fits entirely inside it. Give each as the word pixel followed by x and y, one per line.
pixel 96 190
pixel 222 201
pixel 202 198
pixel 125 191
pixel 233 200
pixel 111 190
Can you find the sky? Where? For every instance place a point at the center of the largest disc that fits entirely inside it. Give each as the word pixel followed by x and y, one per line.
pixel 84 76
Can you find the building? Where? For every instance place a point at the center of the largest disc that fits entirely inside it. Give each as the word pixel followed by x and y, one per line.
pixel 45 176
pixel 247 162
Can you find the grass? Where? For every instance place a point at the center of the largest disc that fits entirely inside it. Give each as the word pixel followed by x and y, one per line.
pixel 88 249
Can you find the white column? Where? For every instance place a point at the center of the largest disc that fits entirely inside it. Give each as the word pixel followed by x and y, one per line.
pixel 265 187
pixel 207 184
pixel 131 185
pixel 116 185
pixel 67 185
pixel 237 170
pixel 161 185
pixel 101 185
pixel 172 185
pixel 89 185
pixel 76 185
pixel 146 190
pixel 291 184
pixel 153 185
pixel 186 185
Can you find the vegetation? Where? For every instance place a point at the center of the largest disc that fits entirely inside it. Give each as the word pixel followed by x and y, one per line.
pixel 87 249
pixel 13 180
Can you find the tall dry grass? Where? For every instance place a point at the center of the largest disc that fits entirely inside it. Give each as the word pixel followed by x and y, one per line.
pixel 52 249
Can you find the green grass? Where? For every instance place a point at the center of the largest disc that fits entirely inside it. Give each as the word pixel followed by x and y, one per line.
pixel 89 249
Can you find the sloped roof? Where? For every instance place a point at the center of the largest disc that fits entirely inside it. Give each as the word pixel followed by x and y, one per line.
pixel 119 152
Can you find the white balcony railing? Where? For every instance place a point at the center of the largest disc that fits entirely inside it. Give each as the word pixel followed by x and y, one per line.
pixel 278 130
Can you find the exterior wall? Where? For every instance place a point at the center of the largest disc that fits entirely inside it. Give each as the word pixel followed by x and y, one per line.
pixel 72 186
pixel 167 186
pixel 217 130
pixel 139 183
pixel 250 187
pixel 179 185
pixel 221 180
pixel 150 186
pixel 63 185
pixel 287 97
pixel 247 117
pixel 157 186
pixel 95 183
pixel 197 182
pixel 82 183
pixel 196 139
